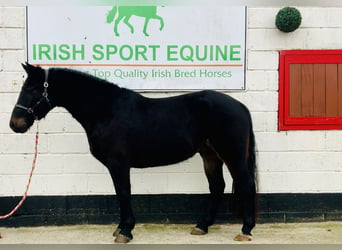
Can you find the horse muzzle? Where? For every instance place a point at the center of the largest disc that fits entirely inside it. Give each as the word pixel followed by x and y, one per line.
pixel 19 125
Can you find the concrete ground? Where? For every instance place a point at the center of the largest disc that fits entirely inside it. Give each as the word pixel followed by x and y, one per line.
pixel 279 233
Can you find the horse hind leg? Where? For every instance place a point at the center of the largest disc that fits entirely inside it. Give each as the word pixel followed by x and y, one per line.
pixel 237 153
pixel 161 20
pixel 244 195
pixel 213 170
pixel 147 19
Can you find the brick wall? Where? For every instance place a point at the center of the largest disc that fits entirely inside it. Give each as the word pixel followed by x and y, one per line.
pixel 289 162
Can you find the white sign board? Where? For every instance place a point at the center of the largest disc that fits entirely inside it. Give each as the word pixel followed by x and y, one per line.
pixel 143 47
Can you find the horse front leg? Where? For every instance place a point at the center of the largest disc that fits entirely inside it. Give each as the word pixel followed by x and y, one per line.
pixel 121 179
pixel 116 23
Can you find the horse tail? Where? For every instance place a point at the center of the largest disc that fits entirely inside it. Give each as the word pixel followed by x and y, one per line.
pixel 252 181
pixel 252 167
pixel 251 162
pixel 111 14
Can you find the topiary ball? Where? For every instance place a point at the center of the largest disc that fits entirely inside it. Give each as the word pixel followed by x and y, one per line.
pixel 288 19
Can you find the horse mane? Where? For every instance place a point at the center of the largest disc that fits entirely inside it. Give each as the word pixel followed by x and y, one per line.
pixel 88 82
pixel 85 77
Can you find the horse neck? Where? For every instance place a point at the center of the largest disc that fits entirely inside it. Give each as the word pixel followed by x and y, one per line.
pixel 86 98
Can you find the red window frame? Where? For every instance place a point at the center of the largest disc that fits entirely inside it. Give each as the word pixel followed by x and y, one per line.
pixel 288 57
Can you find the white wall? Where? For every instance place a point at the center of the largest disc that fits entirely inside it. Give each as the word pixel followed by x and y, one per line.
pixel 294 161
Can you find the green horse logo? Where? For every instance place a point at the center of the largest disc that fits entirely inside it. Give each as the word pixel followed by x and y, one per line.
pixel 125 12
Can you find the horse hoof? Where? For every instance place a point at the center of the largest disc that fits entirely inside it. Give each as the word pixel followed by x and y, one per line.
pixel 117 232
pixel 243 237
pixel 122 239
pixel 198 231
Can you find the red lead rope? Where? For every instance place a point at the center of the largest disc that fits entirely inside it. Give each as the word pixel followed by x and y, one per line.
pixel 29 181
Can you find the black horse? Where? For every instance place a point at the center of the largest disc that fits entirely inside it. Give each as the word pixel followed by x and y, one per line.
pixel 126 129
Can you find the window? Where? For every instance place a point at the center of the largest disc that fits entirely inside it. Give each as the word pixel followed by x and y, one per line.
pixel 310 89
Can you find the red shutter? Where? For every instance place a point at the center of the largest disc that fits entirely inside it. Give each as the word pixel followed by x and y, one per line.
pixel 310 89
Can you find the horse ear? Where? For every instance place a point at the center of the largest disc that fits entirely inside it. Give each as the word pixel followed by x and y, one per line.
pixel 25 66
pixel 28 67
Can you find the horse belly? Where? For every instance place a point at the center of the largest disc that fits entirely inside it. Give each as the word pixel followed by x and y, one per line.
pixel 163 153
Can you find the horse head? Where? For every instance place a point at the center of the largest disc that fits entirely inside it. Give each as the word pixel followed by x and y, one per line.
pixel 33 102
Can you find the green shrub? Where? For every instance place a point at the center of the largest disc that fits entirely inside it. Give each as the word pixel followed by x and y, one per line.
pixel 288 19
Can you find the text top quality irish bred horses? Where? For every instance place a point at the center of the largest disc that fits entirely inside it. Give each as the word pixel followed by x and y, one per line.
pixel 126 129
